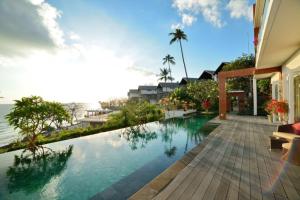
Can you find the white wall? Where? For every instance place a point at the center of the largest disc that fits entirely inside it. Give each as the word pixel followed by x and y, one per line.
pixel 167 89
pixel 274 82
pixel 133 95
pixel 289 70
pixel 148 91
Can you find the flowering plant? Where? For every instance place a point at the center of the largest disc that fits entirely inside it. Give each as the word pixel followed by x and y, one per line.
pixel 282 107
pixel 276 107
pixel 206 105
pixel 271 106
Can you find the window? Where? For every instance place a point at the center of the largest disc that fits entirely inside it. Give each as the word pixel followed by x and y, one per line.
pixel 276 93
pixel 297 98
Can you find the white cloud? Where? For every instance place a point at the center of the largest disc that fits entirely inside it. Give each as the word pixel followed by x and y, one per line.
pixel 28 25
pixel 74 36
pixel 188 20
pixel 209 9
pixel 80 72
pixel 140 70
pixel 240 8
pixel 176 26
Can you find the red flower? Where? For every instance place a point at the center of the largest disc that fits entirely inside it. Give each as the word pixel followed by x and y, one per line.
pixel 275 106
pixel 206 104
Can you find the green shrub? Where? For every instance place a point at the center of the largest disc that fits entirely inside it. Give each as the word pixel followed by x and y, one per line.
pixel 133 113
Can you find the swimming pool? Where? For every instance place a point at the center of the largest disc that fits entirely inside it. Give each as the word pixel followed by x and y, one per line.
pixel 110 165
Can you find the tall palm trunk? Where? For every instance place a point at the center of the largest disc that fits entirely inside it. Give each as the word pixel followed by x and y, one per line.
pixel 183 59
pixel 170 71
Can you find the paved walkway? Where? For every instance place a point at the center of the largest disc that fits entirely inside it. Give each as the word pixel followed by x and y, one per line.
pixel 236 163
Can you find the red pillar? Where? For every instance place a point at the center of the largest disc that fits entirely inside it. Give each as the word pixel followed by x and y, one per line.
pixel 222 98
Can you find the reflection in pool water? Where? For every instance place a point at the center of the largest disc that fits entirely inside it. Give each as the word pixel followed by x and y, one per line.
pixel 41 168
pixel 97 162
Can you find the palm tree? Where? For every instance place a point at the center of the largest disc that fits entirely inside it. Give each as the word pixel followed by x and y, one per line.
pixel 164 74
pixel 170 60
pixel 179 35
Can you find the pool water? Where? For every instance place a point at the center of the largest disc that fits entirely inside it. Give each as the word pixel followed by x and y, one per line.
pixel 110 165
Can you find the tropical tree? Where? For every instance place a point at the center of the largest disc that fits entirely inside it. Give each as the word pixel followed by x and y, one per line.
pixel 164 74
pixel 57 114
pixel 74 110
pixel 33 116
pixel 203 91
pixel 170 60
pixel 240 83
pixel 179 35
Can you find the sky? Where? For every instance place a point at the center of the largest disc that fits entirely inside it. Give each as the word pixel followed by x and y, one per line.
pixel 95 50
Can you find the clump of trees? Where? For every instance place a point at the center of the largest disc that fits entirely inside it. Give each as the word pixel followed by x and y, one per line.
pixel 240 83
pixel 196 94
pixel 33 116
pixel 136 113
pixel 113 104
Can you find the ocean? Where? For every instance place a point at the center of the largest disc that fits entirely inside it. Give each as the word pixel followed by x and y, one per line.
pixel 7 133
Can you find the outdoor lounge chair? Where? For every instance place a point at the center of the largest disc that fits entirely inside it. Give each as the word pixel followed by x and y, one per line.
pixel 288 131
pixel 289 135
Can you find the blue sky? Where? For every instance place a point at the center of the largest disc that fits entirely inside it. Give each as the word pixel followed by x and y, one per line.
pixel 98 49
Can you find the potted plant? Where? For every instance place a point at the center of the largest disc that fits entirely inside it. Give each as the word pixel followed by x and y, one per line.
pixel 282 109
pixel 270 108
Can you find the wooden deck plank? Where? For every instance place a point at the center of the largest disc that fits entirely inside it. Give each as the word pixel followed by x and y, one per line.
pixel 222 191
pixel 215 183
pixel 199 193
pixel 272 168
pixel 255 186
pixel 233 192
pixel 244 189
pixel 237 164
pixel 262 168
pixel 214 142
pixel 204 166
pixel 197 179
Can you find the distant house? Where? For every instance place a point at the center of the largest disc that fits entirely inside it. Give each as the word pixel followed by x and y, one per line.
pixel 148 92
pixel 185 81
pixel 220 68
pixel 206 75
pixel 163 89
pixel 134 94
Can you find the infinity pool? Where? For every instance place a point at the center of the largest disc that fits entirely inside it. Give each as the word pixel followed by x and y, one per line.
pixel 110 165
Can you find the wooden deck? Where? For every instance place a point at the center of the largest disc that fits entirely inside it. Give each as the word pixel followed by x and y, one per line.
pixel 236 163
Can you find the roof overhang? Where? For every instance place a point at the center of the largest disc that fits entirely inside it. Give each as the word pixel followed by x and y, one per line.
pixel 280 36
pixel 258 11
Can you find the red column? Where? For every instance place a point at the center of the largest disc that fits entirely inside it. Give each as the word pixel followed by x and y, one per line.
pixel 222 98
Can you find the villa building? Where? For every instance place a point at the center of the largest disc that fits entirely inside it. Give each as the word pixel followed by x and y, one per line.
pixel 206 75
pixel 148 92
pixel 134 94
pixel 163 89
pixel 277 44
pixel 219 69
pixel 185 81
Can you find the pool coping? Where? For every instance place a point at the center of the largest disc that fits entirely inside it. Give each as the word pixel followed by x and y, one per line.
pixel 156 185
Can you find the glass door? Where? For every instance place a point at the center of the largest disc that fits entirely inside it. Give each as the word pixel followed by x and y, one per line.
pixel 297 97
